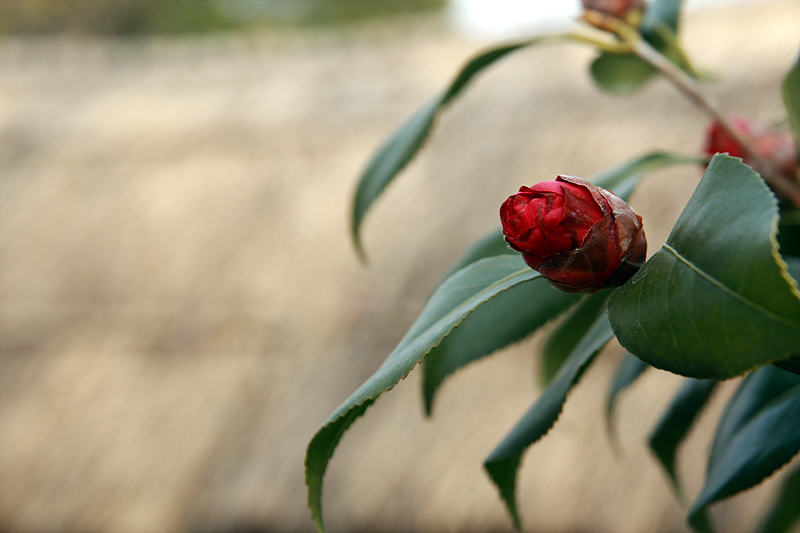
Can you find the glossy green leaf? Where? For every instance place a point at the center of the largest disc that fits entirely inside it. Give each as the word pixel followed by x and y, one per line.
pixel 756 390
pixel 453 300
pixel 791 98
pixel 620 73
pixel 667 12
pixel 569 333
pixel 623 179
pixel 507 318
pixel 767 441
pixel 676 422
pixel 784 513
pixel 716 300
pixel 503 462
pixel 404 143
pixel 628 371
pixel 522 310
pixel 660 28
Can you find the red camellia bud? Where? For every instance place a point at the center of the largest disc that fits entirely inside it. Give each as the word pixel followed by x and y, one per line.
pixel 597 11
pixel 581 238
pixel 775 146
pixel 618 8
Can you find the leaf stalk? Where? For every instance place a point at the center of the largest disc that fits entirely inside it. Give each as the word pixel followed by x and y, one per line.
pixel 691 89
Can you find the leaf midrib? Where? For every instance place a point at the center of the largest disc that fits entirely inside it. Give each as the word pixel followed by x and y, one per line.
pixel 730 292
pixel 402 347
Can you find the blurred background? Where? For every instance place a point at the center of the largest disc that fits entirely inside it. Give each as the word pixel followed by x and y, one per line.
pixel 180 304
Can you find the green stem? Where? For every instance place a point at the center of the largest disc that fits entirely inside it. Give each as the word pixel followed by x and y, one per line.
pixel 691 89
pixel 663 31
pixel 612 47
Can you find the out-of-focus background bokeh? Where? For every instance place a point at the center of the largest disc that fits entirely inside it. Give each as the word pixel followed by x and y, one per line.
pixel 180 305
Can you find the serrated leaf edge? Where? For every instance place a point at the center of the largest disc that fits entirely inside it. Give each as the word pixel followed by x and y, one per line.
pixel 433 108
pixel 776 254
pixel 515 516
pixel 511 504
pixel 730 292
pixel 318 519
pixel 457 370
pixel 696 509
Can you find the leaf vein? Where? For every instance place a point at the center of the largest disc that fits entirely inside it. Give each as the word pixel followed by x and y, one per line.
pixel 730 292
pixel 666 309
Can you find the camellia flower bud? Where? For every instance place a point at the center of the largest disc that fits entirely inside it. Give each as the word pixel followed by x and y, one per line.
pixel 580 237
pixel 775 146
pixel 597 12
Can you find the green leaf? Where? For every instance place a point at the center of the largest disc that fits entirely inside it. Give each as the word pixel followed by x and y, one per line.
pixel 507 318
pixel 676 422
pixel 628 371
pixel 767 441
pixel 716 300
pixel 660 29
pixel 447 307
pixel 785 512
pixel 623 179
pixel 756 390
pixel 791 98
pixel 404 143
pixel 503 462
pixel 569 333
pixel 665 12
pixel 620 73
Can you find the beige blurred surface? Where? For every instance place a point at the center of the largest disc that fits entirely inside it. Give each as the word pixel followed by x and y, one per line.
pixel 180 306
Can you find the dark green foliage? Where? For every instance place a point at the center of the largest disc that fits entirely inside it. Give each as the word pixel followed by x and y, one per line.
pixel 404 143
pixel 569 333
pixel 458 296
pixel 503 463
pixel 785 511
pixel 764 442
pixel 676 422
pixel 715 301
pixel 628 371
pixel 718 300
